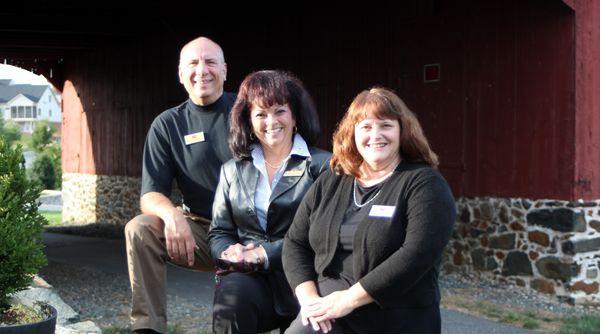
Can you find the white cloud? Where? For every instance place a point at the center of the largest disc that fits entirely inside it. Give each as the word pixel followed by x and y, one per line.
pixel 21 76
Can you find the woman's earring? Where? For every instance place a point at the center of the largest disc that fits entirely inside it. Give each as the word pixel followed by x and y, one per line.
pixel 295 129
pixel 251 136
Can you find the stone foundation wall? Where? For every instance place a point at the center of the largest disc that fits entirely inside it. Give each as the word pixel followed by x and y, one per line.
pixel 102 199
pixel 99 198
pixel 546 245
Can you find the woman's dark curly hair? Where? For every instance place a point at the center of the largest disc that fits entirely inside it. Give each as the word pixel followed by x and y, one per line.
pixel 265 89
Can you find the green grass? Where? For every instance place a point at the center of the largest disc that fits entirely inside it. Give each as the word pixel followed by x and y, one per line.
pixel 54 217
pixel 530 319
pixel 580 325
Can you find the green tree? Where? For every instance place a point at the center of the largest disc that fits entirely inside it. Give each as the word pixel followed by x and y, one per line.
pixel 47 168
pixel 54 152
pixel 41 137
pixel 43 171
pixel 9 131
pixel 21 251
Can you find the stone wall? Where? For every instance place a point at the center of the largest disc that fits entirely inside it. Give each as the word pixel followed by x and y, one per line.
pixel 99 198
pixel 102 199
pixel 550 246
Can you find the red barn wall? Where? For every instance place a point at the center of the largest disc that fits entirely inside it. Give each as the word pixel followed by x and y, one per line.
pixel 108 107
pixel 587 105
pixel 502 118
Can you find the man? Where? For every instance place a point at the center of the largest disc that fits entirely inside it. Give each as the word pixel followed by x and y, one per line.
pixel 188 143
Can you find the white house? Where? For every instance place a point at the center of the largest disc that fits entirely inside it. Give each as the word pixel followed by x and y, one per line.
pixel 27 104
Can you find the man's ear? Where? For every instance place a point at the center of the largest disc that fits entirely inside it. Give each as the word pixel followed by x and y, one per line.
pixel 180 74
pixel 224 71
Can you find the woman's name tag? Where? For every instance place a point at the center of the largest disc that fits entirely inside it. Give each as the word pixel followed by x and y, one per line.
pixel 382 211
pixel 293 172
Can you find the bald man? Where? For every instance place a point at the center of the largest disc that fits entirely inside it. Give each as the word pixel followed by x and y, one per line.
pixel 187 143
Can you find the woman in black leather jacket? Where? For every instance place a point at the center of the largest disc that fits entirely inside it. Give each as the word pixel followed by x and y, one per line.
pixel 274 126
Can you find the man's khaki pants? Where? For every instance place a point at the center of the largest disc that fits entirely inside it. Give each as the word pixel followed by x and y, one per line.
pixel 147 260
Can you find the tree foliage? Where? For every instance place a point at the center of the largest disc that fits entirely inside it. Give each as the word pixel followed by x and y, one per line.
pixel 9 131
pixel 41 137
pixel 46 168
pixel 43 171
pixel 21 249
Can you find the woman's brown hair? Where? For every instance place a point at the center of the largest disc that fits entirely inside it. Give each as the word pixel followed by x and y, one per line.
pixel 267 88
pixel 384 104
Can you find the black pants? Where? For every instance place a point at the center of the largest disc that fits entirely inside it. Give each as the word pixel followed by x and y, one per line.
pixel 244 304
pixel 372 319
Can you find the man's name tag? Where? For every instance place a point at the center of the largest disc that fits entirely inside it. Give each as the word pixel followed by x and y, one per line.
pixel 293 172
pixel 382 211
pixel 194 138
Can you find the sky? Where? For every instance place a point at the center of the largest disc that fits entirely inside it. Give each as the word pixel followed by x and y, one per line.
pixel 21 76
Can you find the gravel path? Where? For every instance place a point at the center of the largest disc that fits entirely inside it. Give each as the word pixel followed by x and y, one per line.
pixel 107 297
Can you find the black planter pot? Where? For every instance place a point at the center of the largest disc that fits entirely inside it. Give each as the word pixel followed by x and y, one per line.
pixel 46 326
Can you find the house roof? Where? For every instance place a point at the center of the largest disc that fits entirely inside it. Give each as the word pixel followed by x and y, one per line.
pixel 32 92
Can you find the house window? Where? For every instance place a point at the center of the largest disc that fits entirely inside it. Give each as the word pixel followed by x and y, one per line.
pixel 39 111
pixel 50 113
pixel 21 110
pixel 13 112
pixel 49 98
pixel 28 112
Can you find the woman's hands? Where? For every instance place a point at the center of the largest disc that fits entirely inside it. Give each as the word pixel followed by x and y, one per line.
pixel 324 310
pixel 248 253
pixel 333 306
pixel 306 308
pixel 308 296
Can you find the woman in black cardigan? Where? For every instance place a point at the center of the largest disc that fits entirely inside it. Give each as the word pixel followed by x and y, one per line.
pixel 363 253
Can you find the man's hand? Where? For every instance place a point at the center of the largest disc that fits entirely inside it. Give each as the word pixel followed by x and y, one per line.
pixel 179 238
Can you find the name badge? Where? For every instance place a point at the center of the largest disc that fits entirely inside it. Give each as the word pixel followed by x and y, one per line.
pixel 293 172
pixel 382 211
pixel 194 138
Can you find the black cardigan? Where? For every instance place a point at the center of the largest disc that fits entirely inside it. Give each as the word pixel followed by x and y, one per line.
pixel 397 259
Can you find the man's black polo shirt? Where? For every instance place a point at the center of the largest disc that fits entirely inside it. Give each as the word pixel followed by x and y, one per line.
pixel 194 161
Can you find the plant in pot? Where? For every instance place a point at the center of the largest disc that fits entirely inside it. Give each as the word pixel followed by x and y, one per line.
pixel 21 249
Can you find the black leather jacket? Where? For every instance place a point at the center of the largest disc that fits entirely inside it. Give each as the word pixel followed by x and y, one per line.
pixel 235 221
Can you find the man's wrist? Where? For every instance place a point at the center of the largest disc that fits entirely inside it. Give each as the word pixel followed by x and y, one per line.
pixel 171 214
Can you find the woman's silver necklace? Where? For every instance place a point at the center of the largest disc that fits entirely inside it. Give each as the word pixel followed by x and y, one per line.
pixel 274 167
pixel 365 203
pixel 372 198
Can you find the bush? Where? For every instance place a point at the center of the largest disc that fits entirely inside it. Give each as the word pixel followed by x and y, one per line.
pixel 43 171
pixel 21 250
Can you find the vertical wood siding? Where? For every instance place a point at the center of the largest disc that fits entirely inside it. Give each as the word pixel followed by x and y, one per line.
pixel 502 118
